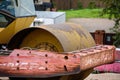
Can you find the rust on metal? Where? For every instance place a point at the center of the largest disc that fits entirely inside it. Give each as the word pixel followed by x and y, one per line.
pixel 35 63
pixel 53 38
pixel 25 63
pixel 99 34
pixel 95 56
pixel 112 67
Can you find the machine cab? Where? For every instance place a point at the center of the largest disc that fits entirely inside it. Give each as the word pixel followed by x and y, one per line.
pixel 9 9
pixel 7 13
pixel 15 15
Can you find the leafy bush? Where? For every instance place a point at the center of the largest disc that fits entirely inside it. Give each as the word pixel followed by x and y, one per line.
pixel 80 6
pixel 91 5
pixel 112 7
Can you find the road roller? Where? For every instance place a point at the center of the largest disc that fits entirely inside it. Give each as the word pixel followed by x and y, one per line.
pixel 63 51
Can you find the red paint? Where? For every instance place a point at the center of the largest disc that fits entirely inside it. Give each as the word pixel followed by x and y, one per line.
pixel 35 63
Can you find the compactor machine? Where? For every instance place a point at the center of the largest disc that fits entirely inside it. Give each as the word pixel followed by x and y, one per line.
pixel 63 51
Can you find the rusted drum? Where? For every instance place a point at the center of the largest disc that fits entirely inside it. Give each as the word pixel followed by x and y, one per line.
pixel 63 37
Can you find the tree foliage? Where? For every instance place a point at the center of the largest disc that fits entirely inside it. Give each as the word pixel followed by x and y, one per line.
pixel 112 8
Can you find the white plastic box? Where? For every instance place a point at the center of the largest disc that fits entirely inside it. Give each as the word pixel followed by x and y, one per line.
pixel 47 17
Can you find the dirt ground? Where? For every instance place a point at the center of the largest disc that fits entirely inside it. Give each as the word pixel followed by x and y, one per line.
pixel 103 76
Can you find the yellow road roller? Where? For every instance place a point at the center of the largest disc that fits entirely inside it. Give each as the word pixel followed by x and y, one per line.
pixel 15 18
pixel 17 15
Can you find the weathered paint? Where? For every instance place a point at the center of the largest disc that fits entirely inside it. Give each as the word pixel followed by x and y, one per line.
pixel 64 37
pixel 112 67
pixel 35 63
pixel 18 24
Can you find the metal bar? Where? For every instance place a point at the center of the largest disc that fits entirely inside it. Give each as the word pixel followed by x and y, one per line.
pixel 27 63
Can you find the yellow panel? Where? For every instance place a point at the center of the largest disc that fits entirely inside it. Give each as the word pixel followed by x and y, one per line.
pixel 22 23
pixel 7 33
pixel 18 24
pixel 1 29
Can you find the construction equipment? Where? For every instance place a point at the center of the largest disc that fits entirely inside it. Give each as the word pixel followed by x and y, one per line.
pixel 17 30
pixel 15 19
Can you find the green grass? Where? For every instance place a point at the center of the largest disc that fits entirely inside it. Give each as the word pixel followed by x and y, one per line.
pixel 84 13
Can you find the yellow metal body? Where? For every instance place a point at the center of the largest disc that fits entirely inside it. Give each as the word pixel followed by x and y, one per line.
pixel 1 29
pixel 58 37
pixel 18 24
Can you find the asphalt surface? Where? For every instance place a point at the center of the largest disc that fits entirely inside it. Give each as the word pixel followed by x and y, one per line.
pixel 93 24
pixel 103 76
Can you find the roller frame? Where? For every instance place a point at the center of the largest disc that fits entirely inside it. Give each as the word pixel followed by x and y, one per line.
pixel 35 63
